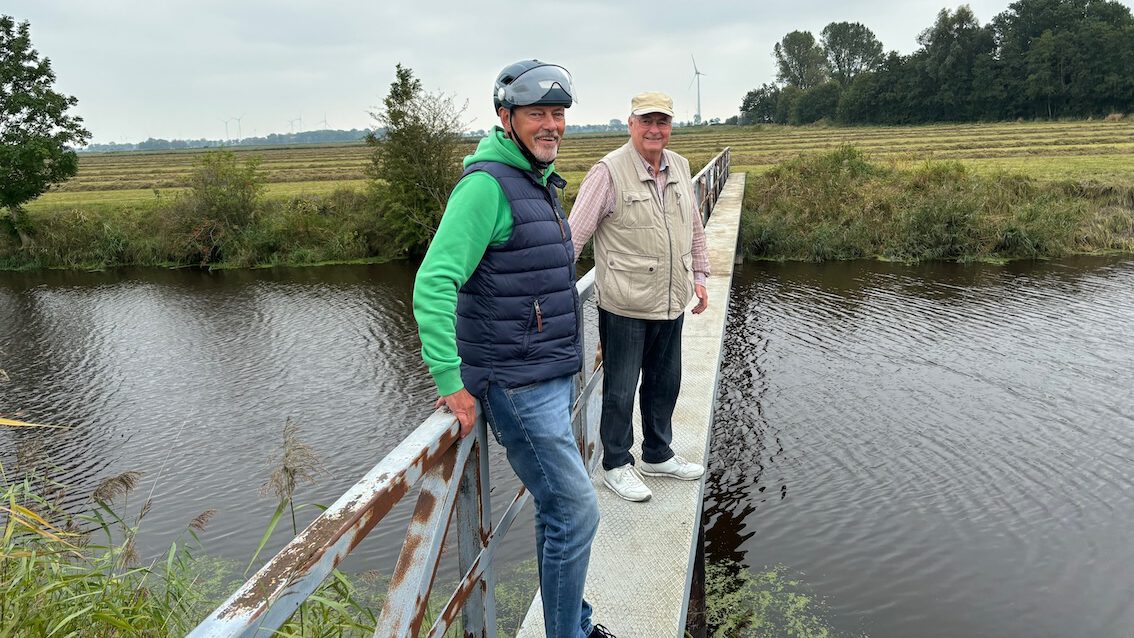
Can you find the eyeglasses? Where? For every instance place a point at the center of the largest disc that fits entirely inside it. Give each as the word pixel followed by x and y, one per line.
pixel 650 122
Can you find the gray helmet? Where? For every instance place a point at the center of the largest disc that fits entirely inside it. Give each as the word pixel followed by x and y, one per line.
pixel 529 82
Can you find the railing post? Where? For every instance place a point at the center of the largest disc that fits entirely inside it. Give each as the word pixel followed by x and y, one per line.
pixel 474 523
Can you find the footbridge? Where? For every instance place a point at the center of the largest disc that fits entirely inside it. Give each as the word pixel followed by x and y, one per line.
pixel 647 568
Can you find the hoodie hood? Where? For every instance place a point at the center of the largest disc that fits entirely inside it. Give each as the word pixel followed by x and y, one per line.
pixel 496 147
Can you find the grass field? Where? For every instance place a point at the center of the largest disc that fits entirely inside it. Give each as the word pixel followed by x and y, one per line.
pixel 1090 151
pixel 1095 151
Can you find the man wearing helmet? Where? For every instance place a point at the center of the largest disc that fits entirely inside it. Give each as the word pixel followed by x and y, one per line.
pixel 496 307
pixel 651 259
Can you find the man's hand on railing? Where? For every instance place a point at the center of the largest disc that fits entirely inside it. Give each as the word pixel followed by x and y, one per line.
pixel 463 406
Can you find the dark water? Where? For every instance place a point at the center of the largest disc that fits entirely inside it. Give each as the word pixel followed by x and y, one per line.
pixel 189 377
pixel 934 451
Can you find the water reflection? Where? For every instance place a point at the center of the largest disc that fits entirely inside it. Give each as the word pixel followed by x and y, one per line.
pixel 942 450
pixel 189 377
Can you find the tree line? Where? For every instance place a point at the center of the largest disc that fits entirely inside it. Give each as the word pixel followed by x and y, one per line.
pixel 1037 59
pixel 324 136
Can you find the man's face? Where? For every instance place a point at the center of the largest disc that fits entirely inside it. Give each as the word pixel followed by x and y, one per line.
pixel 650 132
pixel 539 127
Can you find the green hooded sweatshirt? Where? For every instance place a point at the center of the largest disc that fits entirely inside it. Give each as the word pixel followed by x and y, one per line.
pixel 477 216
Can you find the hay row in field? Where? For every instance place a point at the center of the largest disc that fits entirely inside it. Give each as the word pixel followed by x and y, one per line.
pixel 1021 146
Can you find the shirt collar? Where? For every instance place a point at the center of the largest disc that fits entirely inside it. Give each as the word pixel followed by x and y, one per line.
pixel 663 167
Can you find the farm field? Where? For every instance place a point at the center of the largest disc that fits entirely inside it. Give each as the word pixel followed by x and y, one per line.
pixel 1097 151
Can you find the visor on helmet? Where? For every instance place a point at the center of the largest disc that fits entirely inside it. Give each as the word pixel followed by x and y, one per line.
pixel 547 84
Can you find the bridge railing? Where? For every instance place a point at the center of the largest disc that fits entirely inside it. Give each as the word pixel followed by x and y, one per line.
pixel 707 183
pixel 453 474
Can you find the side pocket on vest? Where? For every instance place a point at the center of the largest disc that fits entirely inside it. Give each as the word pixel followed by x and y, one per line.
pixel 533 327
pixel 632 282
pixel 687 260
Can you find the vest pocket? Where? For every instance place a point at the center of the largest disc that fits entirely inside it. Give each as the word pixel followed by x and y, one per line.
pixel 534 325
pixel 637 211
pixel 632 281
pixel 687 261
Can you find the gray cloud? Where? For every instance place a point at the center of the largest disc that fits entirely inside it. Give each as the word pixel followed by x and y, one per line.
pixel 179 69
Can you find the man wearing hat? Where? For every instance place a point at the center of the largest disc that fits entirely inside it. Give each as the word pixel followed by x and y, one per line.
pixel 650 261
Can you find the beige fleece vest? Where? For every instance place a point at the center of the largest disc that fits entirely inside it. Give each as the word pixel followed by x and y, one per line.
pixel 644 250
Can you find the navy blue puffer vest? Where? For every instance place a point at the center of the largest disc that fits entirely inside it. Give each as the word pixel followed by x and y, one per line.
pixel 516 315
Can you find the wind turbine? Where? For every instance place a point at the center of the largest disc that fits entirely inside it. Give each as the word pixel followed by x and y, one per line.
pixel 226 129
pixel 696 77
pixel 324 121
pixel 239 135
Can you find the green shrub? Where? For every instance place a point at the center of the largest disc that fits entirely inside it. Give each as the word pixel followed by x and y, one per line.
pixel 200 224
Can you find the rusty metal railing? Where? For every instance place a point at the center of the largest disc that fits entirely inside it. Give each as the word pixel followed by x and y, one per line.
pixel 707 183
pixel 454 479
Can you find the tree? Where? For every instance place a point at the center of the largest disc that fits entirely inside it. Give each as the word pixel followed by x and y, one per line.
pixel 817 103
pixel 786 103
pixel 759 105
pixel 36 132
pixel 799 60
pixel 851 48
pixel 414 165
pixel 950 51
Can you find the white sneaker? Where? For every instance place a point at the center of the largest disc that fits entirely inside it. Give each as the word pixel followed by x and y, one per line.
pixel 676 467
pixel 624 482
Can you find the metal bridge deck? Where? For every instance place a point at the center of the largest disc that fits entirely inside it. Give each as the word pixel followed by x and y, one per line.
pixel 642 557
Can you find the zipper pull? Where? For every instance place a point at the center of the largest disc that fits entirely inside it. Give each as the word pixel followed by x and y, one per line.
pixel 538 317
pixel 562 231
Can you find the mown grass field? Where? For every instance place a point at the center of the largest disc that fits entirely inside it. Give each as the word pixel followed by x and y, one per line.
pixel 1095 151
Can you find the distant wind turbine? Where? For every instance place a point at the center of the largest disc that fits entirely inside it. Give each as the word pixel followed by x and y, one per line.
pixel 226 129
pixel 324 121
pixel 696 78
pixel 239 135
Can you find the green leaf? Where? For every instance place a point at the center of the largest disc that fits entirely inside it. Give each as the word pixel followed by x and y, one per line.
pixel 267 534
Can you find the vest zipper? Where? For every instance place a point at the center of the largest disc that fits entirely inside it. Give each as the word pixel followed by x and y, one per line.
pixel 538 317
pixel 555 211
pixel 669 237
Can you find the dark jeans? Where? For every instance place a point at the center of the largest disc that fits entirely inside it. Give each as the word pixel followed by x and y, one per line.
pixel 629 347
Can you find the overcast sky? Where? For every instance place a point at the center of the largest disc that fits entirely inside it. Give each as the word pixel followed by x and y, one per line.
pixel 179 69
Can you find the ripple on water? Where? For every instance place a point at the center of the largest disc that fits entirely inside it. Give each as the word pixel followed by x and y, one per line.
pixel 940 450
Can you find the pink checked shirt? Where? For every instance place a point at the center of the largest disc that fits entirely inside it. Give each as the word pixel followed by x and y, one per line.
pixel 595 203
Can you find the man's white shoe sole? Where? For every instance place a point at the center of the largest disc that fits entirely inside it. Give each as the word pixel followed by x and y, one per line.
pixel 623 496
pixel 672 476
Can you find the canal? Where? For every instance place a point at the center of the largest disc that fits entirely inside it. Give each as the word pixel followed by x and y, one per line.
pixel 933 450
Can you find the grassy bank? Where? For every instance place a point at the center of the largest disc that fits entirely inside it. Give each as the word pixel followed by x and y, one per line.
pixel 76 574
pixel 973 191
pixel 839 205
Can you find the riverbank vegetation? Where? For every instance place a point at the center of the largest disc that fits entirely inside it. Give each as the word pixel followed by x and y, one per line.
pixel 311 205
pixel 840 205
pixel 69 567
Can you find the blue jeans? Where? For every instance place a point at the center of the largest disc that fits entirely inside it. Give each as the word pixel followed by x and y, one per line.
pixel 533 423
pixel 629 347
